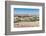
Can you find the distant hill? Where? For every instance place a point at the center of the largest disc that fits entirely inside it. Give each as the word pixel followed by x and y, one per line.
pixel 26 15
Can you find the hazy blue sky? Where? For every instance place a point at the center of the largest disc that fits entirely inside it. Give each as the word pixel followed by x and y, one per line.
pixel 26 11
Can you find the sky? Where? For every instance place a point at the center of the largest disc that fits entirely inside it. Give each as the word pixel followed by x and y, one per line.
pixel 26 11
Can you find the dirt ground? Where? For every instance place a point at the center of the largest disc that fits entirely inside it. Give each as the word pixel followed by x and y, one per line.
pixel 26 24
